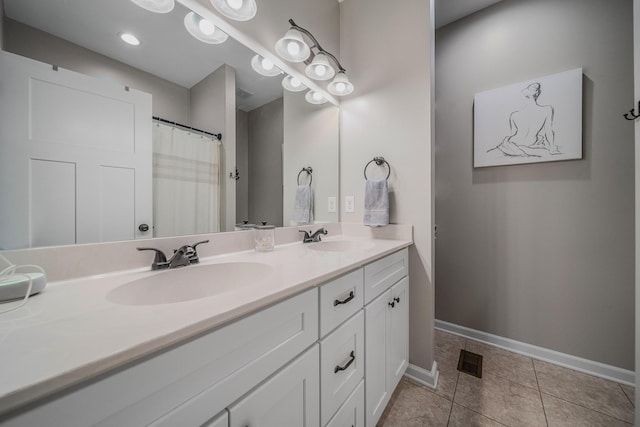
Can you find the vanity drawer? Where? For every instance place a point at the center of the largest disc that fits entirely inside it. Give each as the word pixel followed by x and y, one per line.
pixel 341 365
pixel 351 414
pixel 188 384
pixel 340 299
pixel 382 274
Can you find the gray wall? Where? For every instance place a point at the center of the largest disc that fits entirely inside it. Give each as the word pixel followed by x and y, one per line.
pixel 1 24
pixel 170 100
pixel 310 139
pixel 213 109
pixel 265 163
pixel 544 253
pixel 387 53
pixel 242 160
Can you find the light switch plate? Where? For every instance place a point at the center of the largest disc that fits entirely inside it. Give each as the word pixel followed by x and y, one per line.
pixel 331 204
pixel 349 204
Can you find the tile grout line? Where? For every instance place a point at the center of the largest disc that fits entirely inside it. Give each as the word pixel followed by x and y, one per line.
pixel 628 397
pixel 544 410
pixel 575 403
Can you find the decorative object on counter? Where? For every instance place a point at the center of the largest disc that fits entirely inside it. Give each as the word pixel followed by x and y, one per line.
pixel 265 238
pixel 17 285
pixel 538 120
pixel 294 48
pixel 631 115
pixel 244 225
pixel 185 255
pixel 238 10
pixel 313 237
pixel 303 203
pixel 376 197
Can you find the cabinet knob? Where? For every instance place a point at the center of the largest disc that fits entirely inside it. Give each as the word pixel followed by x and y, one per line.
pixel 143 227
pixel 392 304
pixel 397 299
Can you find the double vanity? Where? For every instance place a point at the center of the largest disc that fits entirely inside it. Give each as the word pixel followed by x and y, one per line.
pixel 306 335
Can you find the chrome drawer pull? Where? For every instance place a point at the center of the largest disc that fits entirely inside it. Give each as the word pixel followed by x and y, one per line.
pixel 344 301
pixel 342 368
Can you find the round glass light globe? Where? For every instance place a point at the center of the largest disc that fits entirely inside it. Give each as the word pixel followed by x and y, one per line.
pixel 293 48
pixel 321 70
pixel 234 4
pixel 267 65
pixel 206 27
pixel 295 82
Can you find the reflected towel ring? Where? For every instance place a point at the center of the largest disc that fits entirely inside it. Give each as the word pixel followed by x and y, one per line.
pixel 379 161
pixel 309 171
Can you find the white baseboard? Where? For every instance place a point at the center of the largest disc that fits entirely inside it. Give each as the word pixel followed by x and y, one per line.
pixel 422 376
pixel 590 367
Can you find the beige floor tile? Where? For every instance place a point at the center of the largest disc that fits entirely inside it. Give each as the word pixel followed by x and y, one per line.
pixel 591 392
pixel 463 417
pixel 447 379
pixel 413 405
pixel 506 364
pixel 502 400
pixel 630 392
pixel 448 344
pixel 561 413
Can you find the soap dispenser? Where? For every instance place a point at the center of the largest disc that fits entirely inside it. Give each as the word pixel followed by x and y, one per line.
pixel 265 237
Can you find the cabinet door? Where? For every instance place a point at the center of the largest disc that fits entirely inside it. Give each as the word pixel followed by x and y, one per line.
pixel 351 414
pixel 376 357
pixel 398 338
pixel 290 398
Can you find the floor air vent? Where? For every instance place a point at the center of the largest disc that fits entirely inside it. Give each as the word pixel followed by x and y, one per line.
pixel 470 363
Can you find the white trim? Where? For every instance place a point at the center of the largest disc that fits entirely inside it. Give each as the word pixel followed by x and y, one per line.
pixel 422 376
pixel 590 367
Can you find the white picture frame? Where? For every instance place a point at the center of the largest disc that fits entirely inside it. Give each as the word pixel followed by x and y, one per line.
pixel 533 121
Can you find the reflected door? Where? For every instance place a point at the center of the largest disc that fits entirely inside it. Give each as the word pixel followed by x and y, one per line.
pixel 75 157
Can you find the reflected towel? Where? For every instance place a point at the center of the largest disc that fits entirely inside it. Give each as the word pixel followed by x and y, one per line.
pixel 303 205
pixel 376 203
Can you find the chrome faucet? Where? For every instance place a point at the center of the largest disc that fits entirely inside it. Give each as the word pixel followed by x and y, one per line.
pixel 185 255
pixel 315 237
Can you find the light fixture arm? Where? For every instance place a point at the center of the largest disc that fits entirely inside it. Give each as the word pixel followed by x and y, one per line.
pixel 317 45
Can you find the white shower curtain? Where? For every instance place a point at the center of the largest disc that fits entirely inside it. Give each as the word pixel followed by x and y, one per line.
pixel 186 191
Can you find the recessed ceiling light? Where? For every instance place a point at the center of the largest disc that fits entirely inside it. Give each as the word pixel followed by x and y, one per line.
pixel 129 39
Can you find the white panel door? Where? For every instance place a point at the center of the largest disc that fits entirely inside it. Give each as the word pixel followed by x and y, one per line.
pixel 98 131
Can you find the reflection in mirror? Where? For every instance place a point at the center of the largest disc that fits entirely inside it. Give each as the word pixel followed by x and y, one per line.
pixel 170 75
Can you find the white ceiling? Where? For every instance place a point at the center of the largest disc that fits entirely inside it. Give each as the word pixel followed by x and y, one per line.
pixel 167 50
pixel 448 11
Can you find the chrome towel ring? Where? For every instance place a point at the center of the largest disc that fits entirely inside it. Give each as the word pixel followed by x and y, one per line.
pixel 379 161
pixel 309 171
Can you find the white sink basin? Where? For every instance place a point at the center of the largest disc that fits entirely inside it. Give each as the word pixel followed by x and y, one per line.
pixel 341 245
pixel 189 283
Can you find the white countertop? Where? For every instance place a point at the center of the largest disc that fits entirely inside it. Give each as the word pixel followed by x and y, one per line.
pixel 71 333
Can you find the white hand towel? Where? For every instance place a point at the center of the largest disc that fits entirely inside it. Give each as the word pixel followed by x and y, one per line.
pixel 303 205
pixel 376 203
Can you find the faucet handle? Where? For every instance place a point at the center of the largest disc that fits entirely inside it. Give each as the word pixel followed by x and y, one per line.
pixel 193 258
pixel 160 259
pixel 307 237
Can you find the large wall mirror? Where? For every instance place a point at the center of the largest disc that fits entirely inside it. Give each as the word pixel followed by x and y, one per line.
pixel 193 183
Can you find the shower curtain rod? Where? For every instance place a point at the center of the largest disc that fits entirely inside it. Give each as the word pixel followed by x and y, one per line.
pixel 218 136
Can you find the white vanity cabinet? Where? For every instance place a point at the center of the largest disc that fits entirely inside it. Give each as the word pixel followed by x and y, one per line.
pixel 386 331
pixel 328 357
